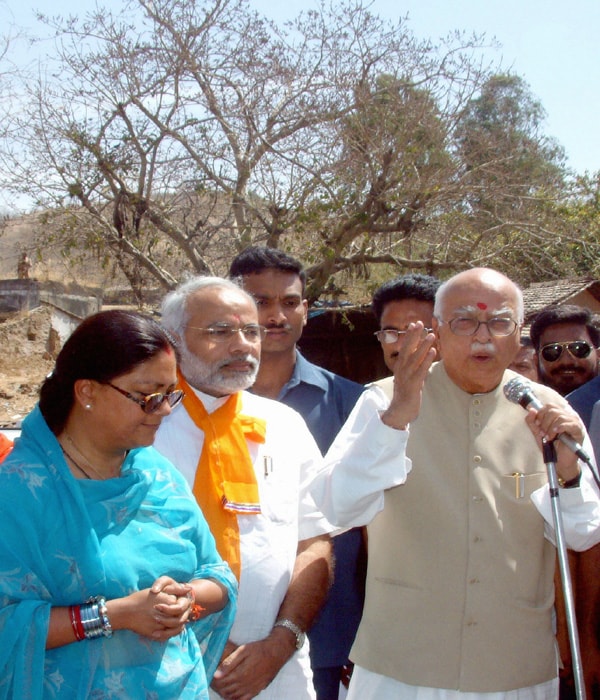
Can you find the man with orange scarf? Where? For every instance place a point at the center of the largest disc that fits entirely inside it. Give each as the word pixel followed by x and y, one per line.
pixel 250 461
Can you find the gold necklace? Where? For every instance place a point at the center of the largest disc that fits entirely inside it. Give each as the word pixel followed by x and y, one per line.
pixel 99 476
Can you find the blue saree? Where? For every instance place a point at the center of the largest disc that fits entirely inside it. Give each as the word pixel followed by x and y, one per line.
pixel 64 540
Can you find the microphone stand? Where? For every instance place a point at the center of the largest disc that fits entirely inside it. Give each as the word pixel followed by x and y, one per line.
pixel 565 572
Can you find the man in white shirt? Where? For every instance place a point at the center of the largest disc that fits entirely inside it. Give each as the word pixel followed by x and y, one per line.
pixel 265 521
pixel 460 575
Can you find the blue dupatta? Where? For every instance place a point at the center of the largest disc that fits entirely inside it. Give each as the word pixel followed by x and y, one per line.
pixel 64 540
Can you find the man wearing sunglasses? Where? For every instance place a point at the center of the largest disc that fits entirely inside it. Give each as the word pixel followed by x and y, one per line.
pixel 566 340
pixel 249 461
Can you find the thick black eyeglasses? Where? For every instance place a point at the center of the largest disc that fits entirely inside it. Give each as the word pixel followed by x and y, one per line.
pixel 152 402
pixel 577 348
pixel 390 335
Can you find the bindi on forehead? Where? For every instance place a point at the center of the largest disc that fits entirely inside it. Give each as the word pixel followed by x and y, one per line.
pixel 481 305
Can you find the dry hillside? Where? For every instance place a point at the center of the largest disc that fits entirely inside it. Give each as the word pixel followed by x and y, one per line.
pixel 26 357
pixel 25 360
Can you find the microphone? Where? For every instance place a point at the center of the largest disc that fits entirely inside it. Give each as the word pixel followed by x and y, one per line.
pixel 520 391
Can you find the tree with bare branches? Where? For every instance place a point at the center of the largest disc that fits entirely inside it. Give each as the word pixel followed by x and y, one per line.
pixel 170 134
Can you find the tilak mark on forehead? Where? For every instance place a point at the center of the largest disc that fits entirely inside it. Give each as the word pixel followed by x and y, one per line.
pixel 481 305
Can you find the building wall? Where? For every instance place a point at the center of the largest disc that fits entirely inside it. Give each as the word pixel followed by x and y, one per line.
pixel 342 341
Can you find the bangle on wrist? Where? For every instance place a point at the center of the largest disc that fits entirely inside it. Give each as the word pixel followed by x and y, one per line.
pixel 75 617
pixel 90 620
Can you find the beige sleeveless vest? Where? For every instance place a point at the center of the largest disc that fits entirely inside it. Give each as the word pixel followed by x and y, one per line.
pixel 460 577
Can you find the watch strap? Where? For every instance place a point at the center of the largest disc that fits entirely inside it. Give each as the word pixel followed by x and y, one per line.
pixel 571 483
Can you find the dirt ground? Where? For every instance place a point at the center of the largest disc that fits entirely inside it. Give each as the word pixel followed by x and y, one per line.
pixel 26 357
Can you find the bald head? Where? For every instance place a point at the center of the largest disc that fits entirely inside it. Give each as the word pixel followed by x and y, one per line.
pixel 480 278
pixel 478 314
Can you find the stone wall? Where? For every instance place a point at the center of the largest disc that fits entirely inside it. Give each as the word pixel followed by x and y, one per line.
pixel 18 296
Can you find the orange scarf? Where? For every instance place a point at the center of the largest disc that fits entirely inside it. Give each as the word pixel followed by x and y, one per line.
pixel 5 446
pixel 225 481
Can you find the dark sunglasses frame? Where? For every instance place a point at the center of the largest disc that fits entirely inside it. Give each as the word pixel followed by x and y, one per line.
pixel 152 402
pixel 579 349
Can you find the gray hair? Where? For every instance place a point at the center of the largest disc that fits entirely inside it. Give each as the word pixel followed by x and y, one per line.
pixel 174 312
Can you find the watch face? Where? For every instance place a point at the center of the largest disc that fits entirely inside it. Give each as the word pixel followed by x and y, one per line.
pixel 300 638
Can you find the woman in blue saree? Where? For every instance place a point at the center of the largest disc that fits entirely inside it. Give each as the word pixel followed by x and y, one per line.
pixel 110 583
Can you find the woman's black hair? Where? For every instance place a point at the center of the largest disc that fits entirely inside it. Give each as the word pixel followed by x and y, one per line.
pixel 104 346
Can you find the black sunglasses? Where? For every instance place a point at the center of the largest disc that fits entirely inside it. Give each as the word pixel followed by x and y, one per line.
pixel 577 348
pixel 152 402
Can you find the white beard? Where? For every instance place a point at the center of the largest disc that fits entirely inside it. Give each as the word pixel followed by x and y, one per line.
pixel 205 375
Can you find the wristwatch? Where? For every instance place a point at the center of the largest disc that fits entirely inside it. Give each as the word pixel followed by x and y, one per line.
pixel 571 483
pixel 294 629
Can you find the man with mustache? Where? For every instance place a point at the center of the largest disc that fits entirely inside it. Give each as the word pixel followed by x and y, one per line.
pixel 277 283
pixel 566 339
pixel 249 461
pixel 449 476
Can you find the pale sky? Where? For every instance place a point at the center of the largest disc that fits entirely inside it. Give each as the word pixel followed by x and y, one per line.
pixel 552 44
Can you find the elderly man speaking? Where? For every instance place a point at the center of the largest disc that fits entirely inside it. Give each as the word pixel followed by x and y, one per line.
pixel 249 461
pixel 460 575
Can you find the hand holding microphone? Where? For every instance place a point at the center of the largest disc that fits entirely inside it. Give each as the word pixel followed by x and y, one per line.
pixel 520 391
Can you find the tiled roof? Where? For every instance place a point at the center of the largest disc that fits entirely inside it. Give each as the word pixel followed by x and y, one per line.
pixel 539 295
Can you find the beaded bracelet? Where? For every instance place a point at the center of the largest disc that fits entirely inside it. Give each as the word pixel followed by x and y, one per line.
pixel 196 609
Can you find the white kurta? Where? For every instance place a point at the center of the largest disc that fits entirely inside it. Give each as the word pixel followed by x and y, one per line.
pixel 366 685
pixel 284 467
pixel 368 457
